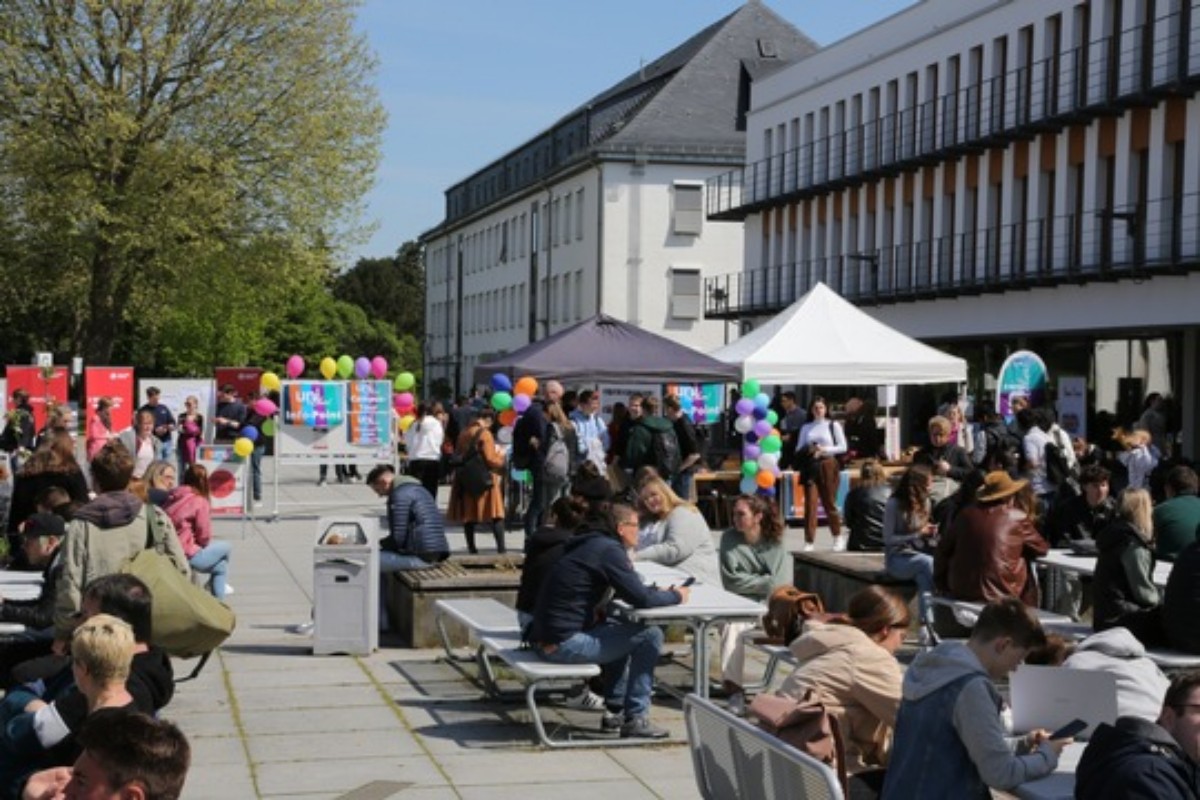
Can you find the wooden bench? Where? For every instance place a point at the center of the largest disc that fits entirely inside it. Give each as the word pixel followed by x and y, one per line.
pixel 837 577
pixel 734 759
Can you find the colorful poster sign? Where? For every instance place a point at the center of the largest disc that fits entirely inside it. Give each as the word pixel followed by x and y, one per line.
pixel 245 379
pixel 115 383
pixel 370 413
pixel 1072 405
pixel 1022 375
pixel 702 402
pixel 314 404
pixel 226 478
pixel 42 390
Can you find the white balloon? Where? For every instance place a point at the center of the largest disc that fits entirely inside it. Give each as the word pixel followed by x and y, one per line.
pixel 744 424
pixel 768 461
pixel 504 435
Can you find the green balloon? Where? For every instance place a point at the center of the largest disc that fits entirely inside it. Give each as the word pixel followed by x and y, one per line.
pixel 771 444
pixel 268 427
pixel 404 381
pixel 502 401
pixel 772 417
pixel 345 367
pixel 750 388
pixel 749 468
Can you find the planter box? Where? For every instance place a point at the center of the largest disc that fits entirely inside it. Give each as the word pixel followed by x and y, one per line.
pixel 410 595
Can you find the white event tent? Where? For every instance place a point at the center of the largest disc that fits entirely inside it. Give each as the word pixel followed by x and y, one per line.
pixel 821 339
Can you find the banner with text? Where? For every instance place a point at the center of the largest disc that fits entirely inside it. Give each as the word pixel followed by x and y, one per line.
pixel 50 387
pixel 115 383
pixel 245 380
pixel 335 421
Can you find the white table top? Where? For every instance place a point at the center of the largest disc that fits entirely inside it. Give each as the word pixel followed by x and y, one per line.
pixel 653 572
pixel 1086 565
pixel 708 602
pixel 1058 785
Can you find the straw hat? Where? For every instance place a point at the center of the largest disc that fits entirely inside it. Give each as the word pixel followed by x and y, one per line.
pixel 997 486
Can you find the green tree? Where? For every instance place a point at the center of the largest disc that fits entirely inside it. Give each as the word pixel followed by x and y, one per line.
pixel 391 289
pixel 148 146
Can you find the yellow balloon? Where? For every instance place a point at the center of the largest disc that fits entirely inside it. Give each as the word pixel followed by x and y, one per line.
pixel 406 421
pixel 328 368
pixel 270 382
pixel 243 447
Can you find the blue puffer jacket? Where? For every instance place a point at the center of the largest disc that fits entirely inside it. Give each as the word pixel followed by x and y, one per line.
pixel 416 525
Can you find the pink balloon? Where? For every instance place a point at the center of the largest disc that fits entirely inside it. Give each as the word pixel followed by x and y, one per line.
pixel 379 367
pixel 295 367
pixel 521 403
pixel 405 399
pixel 264 407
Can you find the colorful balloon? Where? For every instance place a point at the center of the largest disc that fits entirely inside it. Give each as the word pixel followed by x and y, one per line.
pixel 508 417
pixel 751 437
pixel 263 406
pixel 748 485
pixel 243 447
pixel 345 367
pixel 502 401
pixel 751 452
pixel 269 382
pixel 250 432
pixel 404 381
pixel 328 368
pixel 268 427
pixel 764 479
pixel 295 367
pixel 768 462
pixel 501 383
pixel 771 444
pixel 762 400
pixel 379 367
pixel 762 428
pixel 362 367
pixel 744 424
pixel 521 403
pixel 406 422
pixel 749 469
pixel 405 400
pixel 526 385
pixel 772 417
pixel 750 387
pixel 744 407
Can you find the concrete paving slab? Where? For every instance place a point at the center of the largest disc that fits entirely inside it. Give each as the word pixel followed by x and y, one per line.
pixel 344 775
pixel 531 767
pixel 218 782
pixel 218 749
pixel 317 672
pixel 594 790
pixel 306 697
pixel 321 746
pixel 327 720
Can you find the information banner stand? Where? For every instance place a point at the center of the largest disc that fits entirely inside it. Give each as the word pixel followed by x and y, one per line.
pixel 226 481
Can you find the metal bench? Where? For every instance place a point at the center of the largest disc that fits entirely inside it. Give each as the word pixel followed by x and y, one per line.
pixel 733 759
pixel 775 653
pixel 482 617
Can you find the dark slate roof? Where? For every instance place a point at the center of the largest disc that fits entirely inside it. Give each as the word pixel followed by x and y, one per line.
pixel 685 103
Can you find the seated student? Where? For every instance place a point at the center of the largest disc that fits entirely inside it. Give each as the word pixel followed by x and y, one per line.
pixel 686 542
pixel 1124 590
pixel 417 531
pixel 754 563
pixel 1177 518
pixel 188 507
pixel 1181 602
pixel 1140 683
pixel 984 555
pixel 1083 516
pixel 949 741
pixel 545 546
pixel 864 507
pixel 127 756
pixel 908 533
pixel 566 630
pixel 40 535
pixel 852 664
pixel 37 737
pixel 1141 759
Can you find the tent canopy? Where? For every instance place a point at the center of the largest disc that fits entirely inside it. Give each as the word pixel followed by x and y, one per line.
pixel 821 339
pixel 606 350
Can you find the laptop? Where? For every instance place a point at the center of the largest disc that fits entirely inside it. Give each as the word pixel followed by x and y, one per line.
pixel 1050 697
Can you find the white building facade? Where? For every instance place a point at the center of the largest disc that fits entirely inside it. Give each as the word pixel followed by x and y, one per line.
pixel 990 175
pixel 604 212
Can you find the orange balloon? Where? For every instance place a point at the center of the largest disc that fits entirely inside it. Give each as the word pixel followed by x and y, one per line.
pixel 508 417
pixel 527 385
pixel 765 478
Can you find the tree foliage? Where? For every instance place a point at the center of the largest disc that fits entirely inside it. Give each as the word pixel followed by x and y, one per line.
pixel 173 173
pixel 391 289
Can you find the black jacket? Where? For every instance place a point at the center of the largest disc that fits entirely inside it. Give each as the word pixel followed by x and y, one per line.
pixel 865 506
pixel 1123 581
pixel 952 454
pixel 37 614
pixel 542 551
pixel 151 683
pixel 1181 603
pixel 1135 760
pixel 1074 520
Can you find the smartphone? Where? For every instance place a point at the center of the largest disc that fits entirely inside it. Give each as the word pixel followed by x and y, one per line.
pixel 689 581
pixel 1072 728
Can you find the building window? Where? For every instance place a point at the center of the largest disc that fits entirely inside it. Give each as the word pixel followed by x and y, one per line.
pixel 567 219
pixel 685 293
pixel 689 208
pixel 579 215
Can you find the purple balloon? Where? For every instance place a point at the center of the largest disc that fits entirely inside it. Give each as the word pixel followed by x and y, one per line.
pixel 744 406
pixel 762 428
pixel 362 367
pixel 759 413
pixel 751 452
pixel 521 403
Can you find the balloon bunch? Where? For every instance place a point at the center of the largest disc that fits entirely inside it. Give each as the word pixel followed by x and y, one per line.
pixel 345 366
pixel 265 407
pixel 761 440
pixel 512 400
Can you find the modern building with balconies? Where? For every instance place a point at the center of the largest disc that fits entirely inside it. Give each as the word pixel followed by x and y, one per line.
pixel 990 175
pixel 604 211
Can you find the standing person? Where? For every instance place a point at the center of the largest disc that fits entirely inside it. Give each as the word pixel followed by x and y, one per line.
pixel 141 442
pixel 477 442
pixel 689 447
pixel 686 542
pixel 191 432
pixel 818 445
pixel 652 442
pixel 423 443
pixel 792 421
pixel 99 427
pixel 908 531
pixel 188 508
pixel 567 630
pixel 960 430
pixel 754 563
pixel 561 458
pixel 945 459
pixel 949 741
pixel 864 439
pixel 624 426
pixel 164 422
pixel 1139 457
pixel 19 430
pixel 230 415
pixel 529 453
pixel 590 430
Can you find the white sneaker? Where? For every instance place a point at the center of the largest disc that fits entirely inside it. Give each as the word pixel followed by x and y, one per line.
pixel 228 589
pixel 586 700
pixel 808 547
pixel 839 544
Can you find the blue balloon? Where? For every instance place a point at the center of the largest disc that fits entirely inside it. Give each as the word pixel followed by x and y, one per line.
pixel 250 432
pixel 760 412
pixel 762 400
pixel 501 383
pixel 748 486
pixel 751 437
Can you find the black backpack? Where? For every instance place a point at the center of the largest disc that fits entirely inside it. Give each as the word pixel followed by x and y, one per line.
pixel 1003 450
pixel 664 451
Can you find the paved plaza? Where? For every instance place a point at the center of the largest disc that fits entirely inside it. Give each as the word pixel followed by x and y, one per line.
pixel 268 719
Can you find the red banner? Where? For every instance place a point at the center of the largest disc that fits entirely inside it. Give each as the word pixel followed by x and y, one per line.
pixel 41 390
pixel 114 382
pixel 245 379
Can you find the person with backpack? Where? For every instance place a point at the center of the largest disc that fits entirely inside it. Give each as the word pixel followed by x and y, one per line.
pixel 685 541
pixel 689 447
pixel 997 447
pixel 820 442
pixel 652 442
pixel 562 455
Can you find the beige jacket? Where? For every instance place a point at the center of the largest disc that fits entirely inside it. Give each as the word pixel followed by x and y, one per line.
pixel 860 682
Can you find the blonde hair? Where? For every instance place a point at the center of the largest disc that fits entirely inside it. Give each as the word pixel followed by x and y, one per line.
pixel 103 646
pixel 555 413
pixel 940 424
pixel 1136 508
pixel 671 501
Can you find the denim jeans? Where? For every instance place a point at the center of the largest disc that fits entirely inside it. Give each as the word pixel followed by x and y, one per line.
pixel 395 562
pixel 214 560
pixel 166 449
pixel 681 484
pixel 627 653
pixel 909 565
pixel 537 500
pixel 256 457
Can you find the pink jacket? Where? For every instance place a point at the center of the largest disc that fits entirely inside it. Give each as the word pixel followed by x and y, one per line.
pixel 189 512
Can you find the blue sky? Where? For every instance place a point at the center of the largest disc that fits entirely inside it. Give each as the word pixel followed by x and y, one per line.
pixel 464 81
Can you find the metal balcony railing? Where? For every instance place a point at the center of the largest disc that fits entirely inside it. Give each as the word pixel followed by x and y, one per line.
pixel 1138 242
pixel 1102 77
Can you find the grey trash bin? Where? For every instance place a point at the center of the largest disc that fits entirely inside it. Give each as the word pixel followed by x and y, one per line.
pixel 346 586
